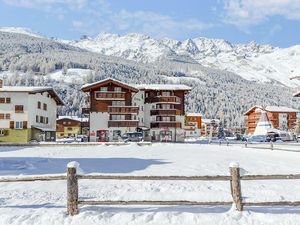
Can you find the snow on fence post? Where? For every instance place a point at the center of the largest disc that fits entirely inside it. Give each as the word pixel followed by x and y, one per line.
pixel 271 145
pixel 72 188
pixel 235 185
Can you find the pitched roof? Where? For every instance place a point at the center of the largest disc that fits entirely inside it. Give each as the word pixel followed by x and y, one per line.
pixel 87 87
pixel 33 90
pixel 194 114
pixel 169 87
pixel 272 109
pixel 76 118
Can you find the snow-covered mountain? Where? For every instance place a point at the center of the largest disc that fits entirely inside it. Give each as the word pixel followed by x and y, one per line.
pixel 251 61
pixel 21 30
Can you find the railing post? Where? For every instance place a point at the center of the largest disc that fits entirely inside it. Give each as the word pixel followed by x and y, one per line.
pixel 72 190
pixel 271 145
pixel 227 142
pixel 246 144
pixel 235 185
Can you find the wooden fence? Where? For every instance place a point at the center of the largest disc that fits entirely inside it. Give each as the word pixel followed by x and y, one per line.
pixel 235 179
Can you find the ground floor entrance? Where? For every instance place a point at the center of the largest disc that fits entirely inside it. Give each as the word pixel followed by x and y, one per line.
pixel 102 136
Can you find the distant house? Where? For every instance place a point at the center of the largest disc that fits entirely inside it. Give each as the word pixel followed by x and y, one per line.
pixel 281 117
pixel 116 108
pixel 209 126
pixel 71 126
pixel 28 113
pixel 193 125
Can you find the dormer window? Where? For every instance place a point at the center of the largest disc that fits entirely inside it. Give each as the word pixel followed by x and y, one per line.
pixel 103 89
pixel 118 89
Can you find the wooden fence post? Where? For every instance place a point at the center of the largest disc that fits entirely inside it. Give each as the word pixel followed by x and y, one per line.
pixel 235 185
pixel 72 190
pixel 271 145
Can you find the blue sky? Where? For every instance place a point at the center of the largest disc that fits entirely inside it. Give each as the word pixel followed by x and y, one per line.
pixel 275 22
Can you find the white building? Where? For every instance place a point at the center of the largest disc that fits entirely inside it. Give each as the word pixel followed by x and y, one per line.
pixel 28 113
pixel 116 108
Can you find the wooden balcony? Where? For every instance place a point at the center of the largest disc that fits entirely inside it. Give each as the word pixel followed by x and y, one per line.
pixel 109 95
pixel 123 109
pixel 171 124
pixel 166 112
pixel 123 123
pixel 166 99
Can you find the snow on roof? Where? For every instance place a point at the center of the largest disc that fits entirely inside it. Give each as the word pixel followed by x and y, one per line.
pixel 105 80
pixel 273 109
pixel 162 87
pixel 33 89
pixel 80 119
pixel 280 109
pixel 193 114
pixel 24 89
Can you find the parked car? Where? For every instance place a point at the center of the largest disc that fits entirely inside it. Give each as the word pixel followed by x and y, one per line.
pixel 258 138
pixel 132 136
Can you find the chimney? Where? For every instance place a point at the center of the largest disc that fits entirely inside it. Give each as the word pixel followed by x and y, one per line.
pixel 1 83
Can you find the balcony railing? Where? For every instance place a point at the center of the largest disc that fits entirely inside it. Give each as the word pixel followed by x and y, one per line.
pixel 158 112
pixel 109 95
pixel 166 99
pixel 123 123
pixel 171 124
pixel 123 109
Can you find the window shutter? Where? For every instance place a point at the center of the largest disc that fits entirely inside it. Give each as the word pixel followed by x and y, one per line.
pixel 24 124
pixel 11 124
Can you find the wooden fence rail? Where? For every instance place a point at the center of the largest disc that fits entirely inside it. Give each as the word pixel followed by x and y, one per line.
pixel 235 186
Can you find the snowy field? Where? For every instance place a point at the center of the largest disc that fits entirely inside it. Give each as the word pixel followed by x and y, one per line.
pixel 44 203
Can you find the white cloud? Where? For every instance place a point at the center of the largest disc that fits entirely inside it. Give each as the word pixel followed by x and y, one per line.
pixel 245 13
pixel 96 16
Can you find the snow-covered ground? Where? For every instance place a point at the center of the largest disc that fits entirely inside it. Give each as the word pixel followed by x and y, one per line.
pixel 45 202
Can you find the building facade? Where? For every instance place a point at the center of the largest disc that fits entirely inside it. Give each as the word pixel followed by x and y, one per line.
pixel 116 108
pixel 282 118
pixel 193 124
pixel 71 126
pixel 28 113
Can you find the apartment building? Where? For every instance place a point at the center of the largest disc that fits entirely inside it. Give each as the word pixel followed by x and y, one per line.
pixel 71 126
pixel 116 108
pixel 28 113
pixel 193 125
pixel 281 117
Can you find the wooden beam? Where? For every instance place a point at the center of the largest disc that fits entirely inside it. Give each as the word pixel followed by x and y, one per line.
pixel 108 177
pixel 34 178
pixel 95 202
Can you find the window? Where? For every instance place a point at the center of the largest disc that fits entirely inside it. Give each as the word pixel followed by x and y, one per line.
pixel 41 119
pixel 118 103
pixel 19 125
pixel 47 120
pixel 1 116
pixel 103 89
pixel 44 106
pixel 118 89
pixel 7 116
pixel 39 105
pixel 117 117
pixel 146 94
pixel 2 100
pixel 165 93
pixel 2 132
pixel 8 100
pixel 37 118
pixel 19 108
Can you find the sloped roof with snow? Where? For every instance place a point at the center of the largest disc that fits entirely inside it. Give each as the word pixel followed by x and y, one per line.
pixel 169 87
pixel 194 114
pixel 33 90
pixel 76 118
pixel 86 87
pixel 282 109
